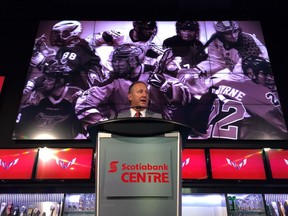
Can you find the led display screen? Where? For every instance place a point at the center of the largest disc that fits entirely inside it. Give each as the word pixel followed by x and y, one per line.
pixel 238 164
pixel 278 161
pixel 17 163
pixel 214 76
pixel 194 164
pixel 69 163
pixel 1 82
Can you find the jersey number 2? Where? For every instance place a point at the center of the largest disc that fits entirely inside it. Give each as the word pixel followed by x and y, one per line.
pixel 224 114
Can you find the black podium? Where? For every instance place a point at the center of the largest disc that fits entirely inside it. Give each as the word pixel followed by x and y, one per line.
pixel 138 166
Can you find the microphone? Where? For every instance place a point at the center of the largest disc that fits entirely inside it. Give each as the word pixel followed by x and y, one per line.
pixel 139 107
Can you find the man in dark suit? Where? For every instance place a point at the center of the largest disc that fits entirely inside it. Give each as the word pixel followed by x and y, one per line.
pixel 138 95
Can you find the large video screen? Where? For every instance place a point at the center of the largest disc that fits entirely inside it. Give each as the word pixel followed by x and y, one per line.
pixel 213 76
pixel 17 163
pixel 69 163
pixel 194 164
pixel 237 164
pixel 278 162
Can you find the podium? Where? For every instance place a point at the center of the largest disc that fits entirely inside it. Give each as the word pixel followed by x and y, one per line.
pixel 138 166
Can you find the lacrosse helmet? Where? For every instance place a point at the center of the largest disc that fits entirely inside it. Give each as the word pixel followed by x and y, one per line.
pixel 187 30
pixel 64 31
pixel 57 71
pixel 259 70
pixel 145 29
pixel 226 26
pixel 187 25
pixel 132 54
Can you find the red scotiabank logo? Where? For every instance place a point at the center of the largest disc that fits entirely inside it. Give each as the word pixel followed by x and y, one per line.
pixel 113 166
pixel 141 173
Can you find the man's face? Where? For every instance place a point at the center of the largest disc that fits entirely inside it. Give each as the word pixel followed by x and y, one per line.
pixel 121 66
pixel 251 74
pixel 262 79
pixel 187 35
pixel 49 83
pixel 266 80
pixel 144 34
pixel 139 95
pixel 231 36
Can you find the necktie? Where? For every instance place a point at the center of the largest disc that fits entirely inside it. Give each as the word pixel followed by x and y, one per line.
pixel 138 114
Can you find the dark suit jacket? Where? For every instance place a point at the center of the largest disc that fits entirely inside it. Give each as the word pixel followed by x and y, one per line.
pixel 149 114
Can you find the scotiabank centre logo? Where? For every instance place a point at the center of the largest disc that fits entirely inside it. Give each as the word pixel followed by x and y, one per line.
pixel 140 172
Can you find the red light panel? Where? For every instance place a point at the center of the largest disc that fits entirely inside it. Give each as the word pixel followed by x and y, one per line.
pixel 17 163
pixel 66 163
pixel 194 164
pixel 278 160
pixel 1 82
pixel 238 164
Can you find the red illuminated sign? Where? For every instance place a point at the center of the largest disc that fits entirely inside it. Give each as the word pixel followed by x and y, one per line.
pixel 278 160
pixel 66 163
pixel 1 82
pixel 146 177
pixel 237 164
pixel 141 173
pixel 194 164
pixel 17 163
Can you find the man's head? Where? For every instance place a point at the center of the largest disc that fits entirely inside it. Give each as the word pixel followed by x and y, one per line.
pixel 65 31
pixel 228 30
pixel 56 75
pixel 144 29
pixel 187 30
pixel 259 71
pixel 125 59
pixel 138 94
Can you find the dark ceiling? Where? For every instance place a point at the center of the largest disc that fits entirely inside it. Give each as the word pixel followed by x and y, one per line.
pixel 32 9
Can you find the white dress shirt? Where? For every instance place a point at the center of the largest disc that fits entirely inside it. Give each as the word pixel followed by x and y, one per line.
pixel 133 112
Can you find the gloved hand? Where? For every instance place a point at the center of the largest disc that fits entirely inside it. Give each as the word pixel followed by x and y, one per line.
pixel 156 80
pixel 37 59
pixel 159 81
pixel 29 87
pixel 107 37
pixel 111 36
pixel 194 80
